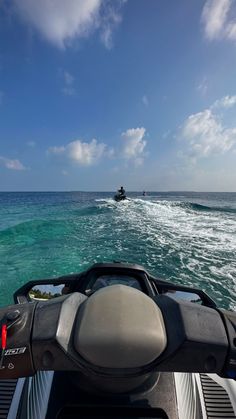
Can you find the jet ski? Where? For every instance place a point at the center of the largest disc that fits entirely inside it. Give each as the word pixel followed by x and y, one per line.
pixel 115 341
pixel 119 197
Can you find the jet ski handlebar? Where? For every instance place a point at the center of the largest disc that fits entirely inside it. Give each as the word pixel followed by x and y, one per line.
pixel 117 332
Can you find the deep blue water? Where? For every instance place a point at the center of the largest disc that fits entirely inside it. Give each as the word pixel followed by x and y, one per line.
pixel 188 238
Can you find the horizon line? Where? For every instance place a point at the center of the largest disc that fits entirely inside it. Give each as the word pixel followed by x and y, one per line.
pixel 131 191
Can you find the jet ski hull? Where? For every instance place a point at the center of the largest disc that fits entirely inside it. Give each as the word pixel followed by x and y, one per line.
pixel 118 198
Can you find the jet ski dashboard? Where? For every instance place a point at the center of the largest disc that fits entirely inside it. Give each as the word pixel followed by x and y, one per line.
pixel 117 325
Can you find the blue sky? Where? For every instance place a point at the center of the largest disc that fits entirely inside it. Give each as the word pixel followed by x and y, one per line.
pixel 95 94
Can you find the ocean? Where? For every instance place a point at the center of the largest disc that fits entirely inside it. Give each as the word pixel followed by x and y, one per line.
pixel 185 237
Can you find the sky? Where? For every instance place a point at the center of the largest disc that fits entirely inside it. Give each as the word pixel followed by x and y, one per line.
pixel 95 94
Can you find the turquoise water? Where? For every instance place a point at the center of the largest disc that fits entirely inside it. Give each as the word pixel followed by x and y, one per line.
pixel 188 238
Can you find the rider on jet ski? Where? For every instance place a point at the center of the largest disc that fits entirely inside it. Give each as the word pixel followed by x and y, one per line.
pixel 121 191
pixel 120 194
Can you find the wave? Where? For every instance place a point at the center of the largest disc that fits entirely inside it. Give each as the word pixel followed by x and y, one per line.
pixel 192 206
pixel 109 203
pixel 198 207
pixel 91 210
pixel 29 231
pixel 51 228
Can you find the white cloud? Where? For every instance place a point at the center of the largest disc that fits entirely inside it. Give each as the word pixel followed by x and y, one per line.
pixel 59 21
pixel 225 102
pixel 202 87
pixel 110 19
pixel 231 30
pixel 145 100
pixel 57 150
pixel 68 91
pixel 205 134
pixel 68 88
pixel 216 19
pixel 69 79
pixel 31 144
pixel 12 164
pixel 89 153
pixel 106 37
pixel 214 16
pixel 134 144
pixel 62 21
pixel 166 134
pixel 85 154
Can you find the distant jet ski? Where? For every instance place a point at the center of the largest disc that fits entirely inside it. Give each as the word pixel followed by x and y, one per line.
pixel 120 195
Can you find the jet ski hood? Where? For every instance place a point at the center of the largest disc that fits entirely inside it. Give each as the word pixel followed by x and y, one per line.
pixel 120 327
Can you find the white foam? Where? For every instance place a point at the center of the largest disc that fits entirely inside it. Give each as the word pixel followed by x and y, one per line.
pixel 203 242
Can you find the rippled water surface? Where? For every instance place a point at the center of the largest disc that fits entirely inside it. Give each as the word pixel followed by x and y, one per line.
pixel 188 238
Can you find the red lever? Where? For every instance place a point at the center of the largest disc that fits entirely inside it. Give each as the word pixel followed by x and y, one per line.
pixel 4 336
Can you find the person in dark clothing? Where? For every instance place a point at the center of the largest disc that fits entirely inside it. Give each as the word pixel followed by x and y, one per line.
pixel 121 191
